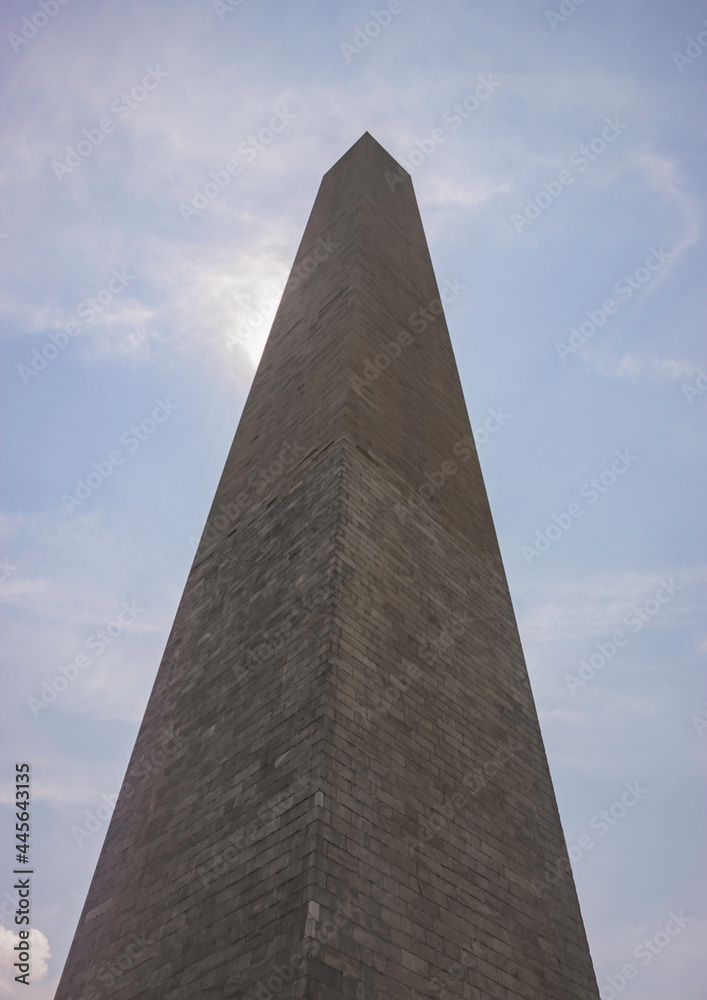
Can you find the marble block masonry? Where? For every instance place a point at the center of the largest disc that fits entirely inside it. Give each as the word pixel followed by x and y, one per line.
pixel 339 788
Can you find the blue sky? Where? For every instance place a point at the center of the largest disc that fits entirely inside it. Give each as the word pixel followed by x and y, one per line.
pixel 150 379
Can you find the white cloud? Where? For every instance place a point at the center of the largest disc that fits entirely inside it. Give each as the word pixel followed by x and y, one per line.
pixel 673 370
pixel 629 366
pixel 577 609
pixel 17 591
pixel 39 951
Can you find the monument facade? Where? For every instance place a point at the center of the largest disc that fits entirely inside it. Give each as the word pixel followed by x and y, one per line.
pixel 355 801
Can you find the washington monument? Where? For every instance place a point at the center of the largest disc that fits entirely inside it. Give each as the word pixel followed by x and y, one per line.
pixel 339 788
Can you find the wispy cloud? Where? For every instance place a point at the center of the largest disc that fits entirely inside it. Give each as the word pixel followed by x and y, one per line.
pixel 40 953
pixel 578 609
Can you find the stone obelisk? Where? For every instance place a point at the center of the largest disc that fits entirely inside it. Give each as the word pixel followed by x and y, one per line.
pixel 339 788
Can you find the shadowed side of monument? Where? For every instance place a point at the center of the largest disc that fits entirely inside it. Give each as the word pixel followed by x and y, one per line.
pixel 364 799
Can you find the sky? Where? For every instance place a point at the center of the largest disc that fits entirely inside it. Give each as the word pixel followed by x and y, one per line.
pixel 149 220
